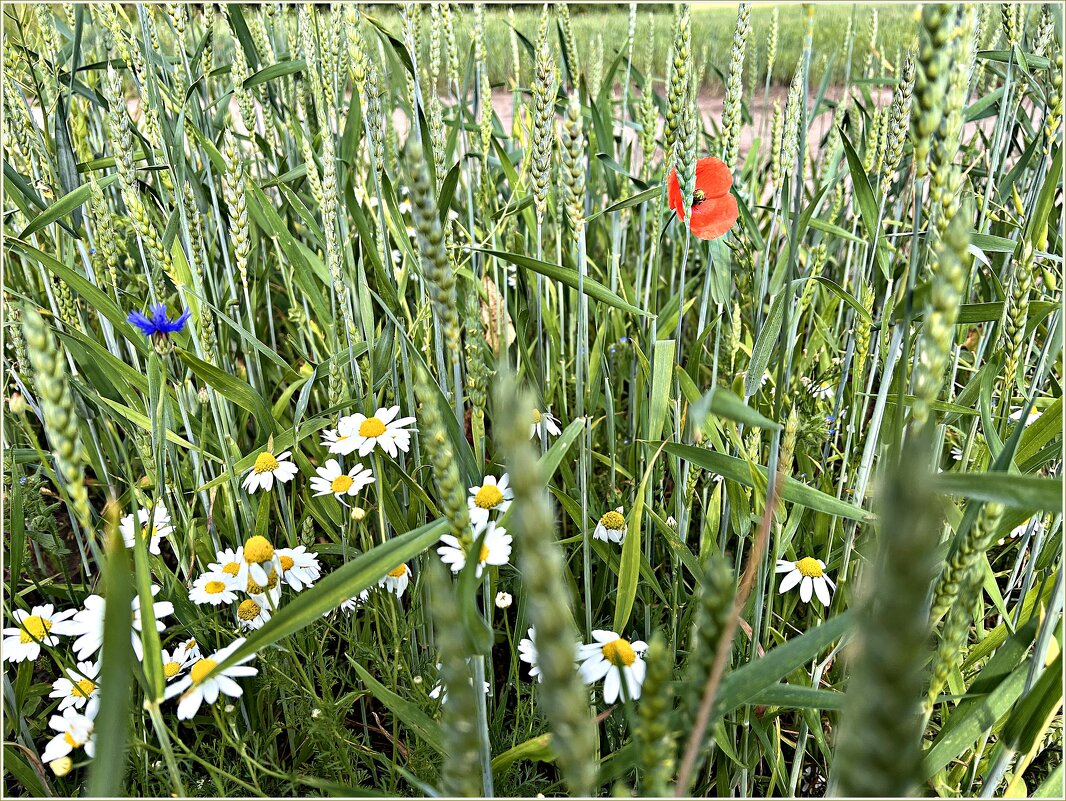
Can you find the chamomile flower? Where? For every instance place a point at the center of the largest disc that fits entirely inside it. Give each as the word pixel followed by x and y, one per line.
pixel 258 560
pixel 613 659
pixel 175 662
pixel 267 468
pixel 543 421
pixel 351 604
pixel 299 567
pixel 75 731
pixel 153 532
pixel 78 688
pixel 33 629
pixel 612 527
pixel 491 495
pixel 495 549
pixel 382 430
pixel 396 580
pixel 190 649
pixel 503 600
pixel 527 652
pixel 214 587
pixel 1034 415
pixel 335 442
pixel 204 682
pixel 228 561
pixel 1022 528
pixel 87 624
pixel 331 480
pixel 253 612
pixel 439 691
pixel 809 573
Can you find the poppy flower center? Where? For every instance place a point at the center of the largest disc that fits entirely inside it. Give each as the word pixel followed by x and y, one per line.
pixel 214 587
pixel 400 571
pixel 170 669
pixel 341 484
pixel 619 652
pixel 248 610
pixel 265 463
pixel 34 627
pixel 371 427
pixel 488 497
pixel 809 567
pixel 258 549
pixel 698 197
pixel 204 666
pixel 613 521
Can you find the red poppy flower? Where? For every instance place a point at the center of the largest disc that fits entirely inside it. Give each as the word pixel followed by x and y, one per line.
pixel 714 210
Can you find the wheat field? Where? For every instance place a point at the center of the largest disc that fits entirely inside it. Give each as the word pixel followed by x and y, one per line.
pixel 485 400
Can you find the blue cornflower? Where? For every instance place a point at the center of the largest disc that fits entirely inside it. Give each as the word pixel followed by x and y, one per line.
pixel 158 324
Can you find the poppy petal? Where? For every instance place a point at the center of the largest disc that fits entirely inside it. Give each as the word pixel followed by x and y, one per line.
pixel 713 177
pixel 714 216
pixel 673 192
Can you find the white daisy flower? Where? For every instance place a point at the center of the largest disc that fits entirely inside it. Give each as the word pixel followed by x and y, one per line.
pixel 809 573
pixel 821 391
pixel 612 527
pixel 214 587
pixel 382 430
pixel 495 549
pixel 1034 415
pixel 492 495
pixel 334 442
pixel 440 692
pixel 268 467
pixel 613 659
pixel 78 688
pixel 543 420
pixel 205 683
pixel 299 567
pixel 503 600
pixel 527 652
pixel 190 649
pixel 396 580
pixel 253 612
pixel 258 561
pixel 75 731
pixel 331 480
pixel 181 657
pixel 1020 529
pixel 160 527
pixel 32 630
pixel 228 561
pixel 87 624
pixel 353 603
pixel 956 453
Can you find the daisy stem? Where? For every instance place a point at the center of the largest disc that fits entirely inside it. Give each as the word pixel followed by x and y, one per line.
pixel 484 748
pixel 163 736
pixel 380 483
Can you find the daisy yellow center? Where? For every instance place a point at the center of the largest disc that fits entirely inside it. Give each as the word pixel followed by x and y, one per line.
pixel 71 741
pixel 258 549
pixel 536 416
pixel 613 521
pixel 248 610
pixel 286 563
pixel 190 645
pixel 231 568
pixel 83 688
pixel 488 497
pixel 34 627
pixel 214 587
pixel 272 582
pixel 401 571
pixel 203 667
pixel 341 484
pixel 371 427
pixel 170 669
pixel 619 652
pixel 265 463
pixel 145 533
pixel 698 197
pixel 809 567
pixel 484 553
